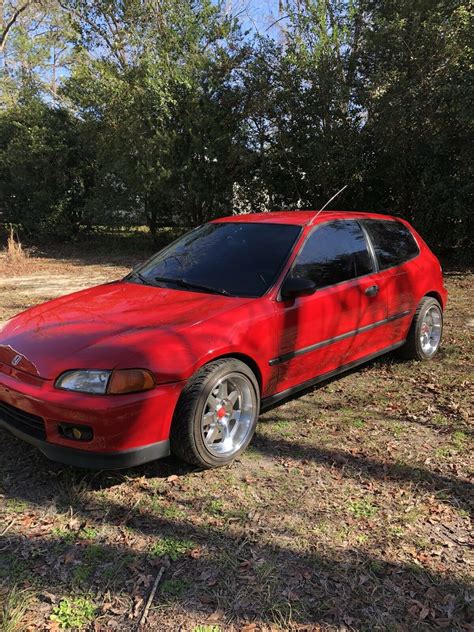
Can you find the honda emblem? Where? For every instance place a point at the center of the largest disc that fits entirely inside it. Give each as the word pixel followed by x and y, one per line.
pixel 16 360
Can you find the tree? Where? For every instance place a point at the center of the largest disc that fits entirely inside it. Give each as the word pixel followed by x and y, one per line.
pixel 315 118
pixel 35 48
pixel 46 170
pixel 179 116
pixel 157 79
pixel 415 87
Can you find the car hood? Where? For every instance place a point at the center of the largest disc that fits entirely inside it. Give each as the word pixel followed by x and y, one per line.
pixel 120 324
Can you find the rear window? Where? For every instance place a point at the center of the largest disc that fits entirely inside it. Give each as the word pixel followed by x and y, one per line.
pixel 393 242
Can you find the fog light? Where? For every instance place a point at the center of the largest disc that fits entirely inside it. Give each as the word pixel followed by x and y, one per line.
pixel 76 433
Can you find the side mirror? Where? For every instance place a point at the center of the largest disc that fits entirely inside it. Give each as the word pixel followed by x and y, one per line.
pixel 297 286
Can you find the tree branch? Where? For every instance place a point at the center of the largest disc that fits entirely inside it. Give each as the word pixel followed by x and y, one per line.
pixel 11 22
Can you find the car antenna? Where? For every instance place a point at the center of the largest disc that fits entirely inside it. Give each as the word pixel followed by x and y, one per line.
pixel 310 223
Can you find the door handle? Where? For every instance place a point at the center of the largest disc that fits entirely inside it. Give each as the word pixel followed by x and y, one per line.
pixel 373 290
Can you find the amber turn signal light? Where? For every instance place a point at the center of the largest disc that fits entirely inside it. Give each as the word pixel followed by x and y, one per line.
pixel 130 381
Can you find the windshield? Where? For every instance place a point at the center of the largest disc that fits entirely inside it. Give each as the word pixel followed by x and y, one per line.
pixel 238 259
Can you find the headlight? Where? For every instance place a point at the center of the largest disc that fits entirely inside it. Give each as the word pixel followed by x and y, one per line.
pixel 84 381
pixel 116 382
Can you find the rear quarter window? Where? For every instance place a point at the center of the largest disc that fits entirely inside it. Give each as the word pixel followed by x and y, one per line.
pixel 393 242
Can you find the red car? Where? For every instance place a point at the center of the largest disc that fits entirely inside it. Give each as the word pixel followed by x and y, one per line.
pixel 183 353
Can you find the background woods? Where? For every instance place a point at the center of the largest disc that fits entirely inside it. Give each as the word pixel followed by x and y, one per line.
pixel 169 112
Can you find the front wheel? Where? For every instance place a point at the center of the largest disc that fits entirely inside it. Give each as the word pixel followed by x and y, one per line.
pixel 426 330
pixel 216 414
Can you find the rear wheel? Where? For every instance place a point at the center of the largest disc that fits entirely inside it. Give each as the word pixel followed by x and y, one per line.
pixel 426 331
pixel 216 414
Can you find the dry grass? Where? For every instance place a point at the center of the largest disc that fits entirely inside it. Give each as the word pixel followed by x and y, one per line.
pixel 14 251
pixel 350 511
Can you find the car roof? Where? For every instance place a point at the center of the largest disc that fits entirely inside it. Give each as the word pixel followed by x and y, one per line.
pixel 299 218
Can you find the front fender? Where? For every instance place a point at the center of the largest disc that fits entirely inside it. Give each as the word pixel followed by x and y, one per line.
pixel 247 333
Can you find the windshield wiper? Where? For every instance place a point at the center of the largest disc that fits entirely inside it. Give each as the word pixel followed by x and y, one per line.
pixel 142 278
pixel 193 286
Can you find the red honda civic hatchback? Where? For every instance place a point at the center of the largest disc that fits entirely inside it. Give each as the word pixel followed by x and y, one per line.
pixel 182 354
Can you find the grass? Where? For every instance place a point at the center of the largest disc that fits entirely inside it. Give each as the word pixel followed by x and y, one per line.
pixel 93 559
pixel 13 611
pixel 174 587
pixel 14 251
pixel 13 568
pixel 362 509
pixel 350 509
pixel 460 440
pixel 215 508
pixel 63 535
pixel 173 512
pixel 16 506
pixel 171 547
pixel 88 533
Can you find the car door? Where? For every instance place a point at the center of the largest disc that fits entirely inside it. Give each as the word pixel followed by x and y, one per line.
pixel 338 322
pixel 396 251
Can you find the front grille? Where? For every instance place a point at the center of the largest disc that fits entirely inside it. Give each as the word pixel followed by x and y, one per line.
pixel 23 421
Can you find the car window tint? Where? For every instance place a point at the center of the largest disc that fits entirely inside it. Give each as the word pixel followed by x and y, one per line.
pixel 242 258
pixel 393 242
pixel 333 253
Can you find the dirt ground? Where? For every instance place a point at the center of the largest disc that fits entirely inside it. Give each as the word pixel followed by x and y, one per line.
pixel 350 511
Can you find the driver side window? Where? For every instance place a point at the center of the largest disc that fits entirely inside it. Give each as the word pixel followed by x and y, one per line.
pixel 333 253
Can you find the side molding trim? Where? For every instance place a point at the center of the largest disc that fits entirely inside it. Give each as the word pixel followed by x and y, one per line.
pixel 270 401
pixel 324 343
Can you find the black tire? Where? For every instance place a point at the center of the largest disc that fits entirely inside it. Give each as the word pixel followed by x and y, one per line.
pixel 186 437
pixel 413 350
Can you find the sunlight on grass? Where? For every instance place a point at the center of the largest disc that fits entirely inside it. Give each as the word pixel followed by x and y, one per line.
pixel 171 547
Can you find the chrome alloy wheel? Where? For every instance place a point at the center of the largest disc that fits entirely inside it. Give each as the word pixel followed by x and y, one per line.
pixel 229 415
pixel 430 330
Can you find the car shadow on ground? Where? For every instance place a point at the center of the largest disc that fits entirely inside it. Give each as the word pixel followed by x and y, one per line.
pixel 309 589
pixel 459 492
pixel 240 572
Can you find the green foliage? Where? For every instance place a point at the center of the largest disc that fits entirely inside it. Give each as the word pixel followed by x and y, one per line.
pixel 172 547
pixel 35 52
pixel 363 509
pixel 215 508
pixel 64 535
pixel 88 533
pixel 415 89
pixel 166 113
pixel 73 613
pixel 45 169
pixel 174 587
pixel 459 439
pixel 14 568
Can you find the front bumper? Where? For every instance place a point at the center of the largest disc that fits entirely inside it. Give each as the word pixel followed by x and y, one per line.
pixel 94 460
pixel 128 429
